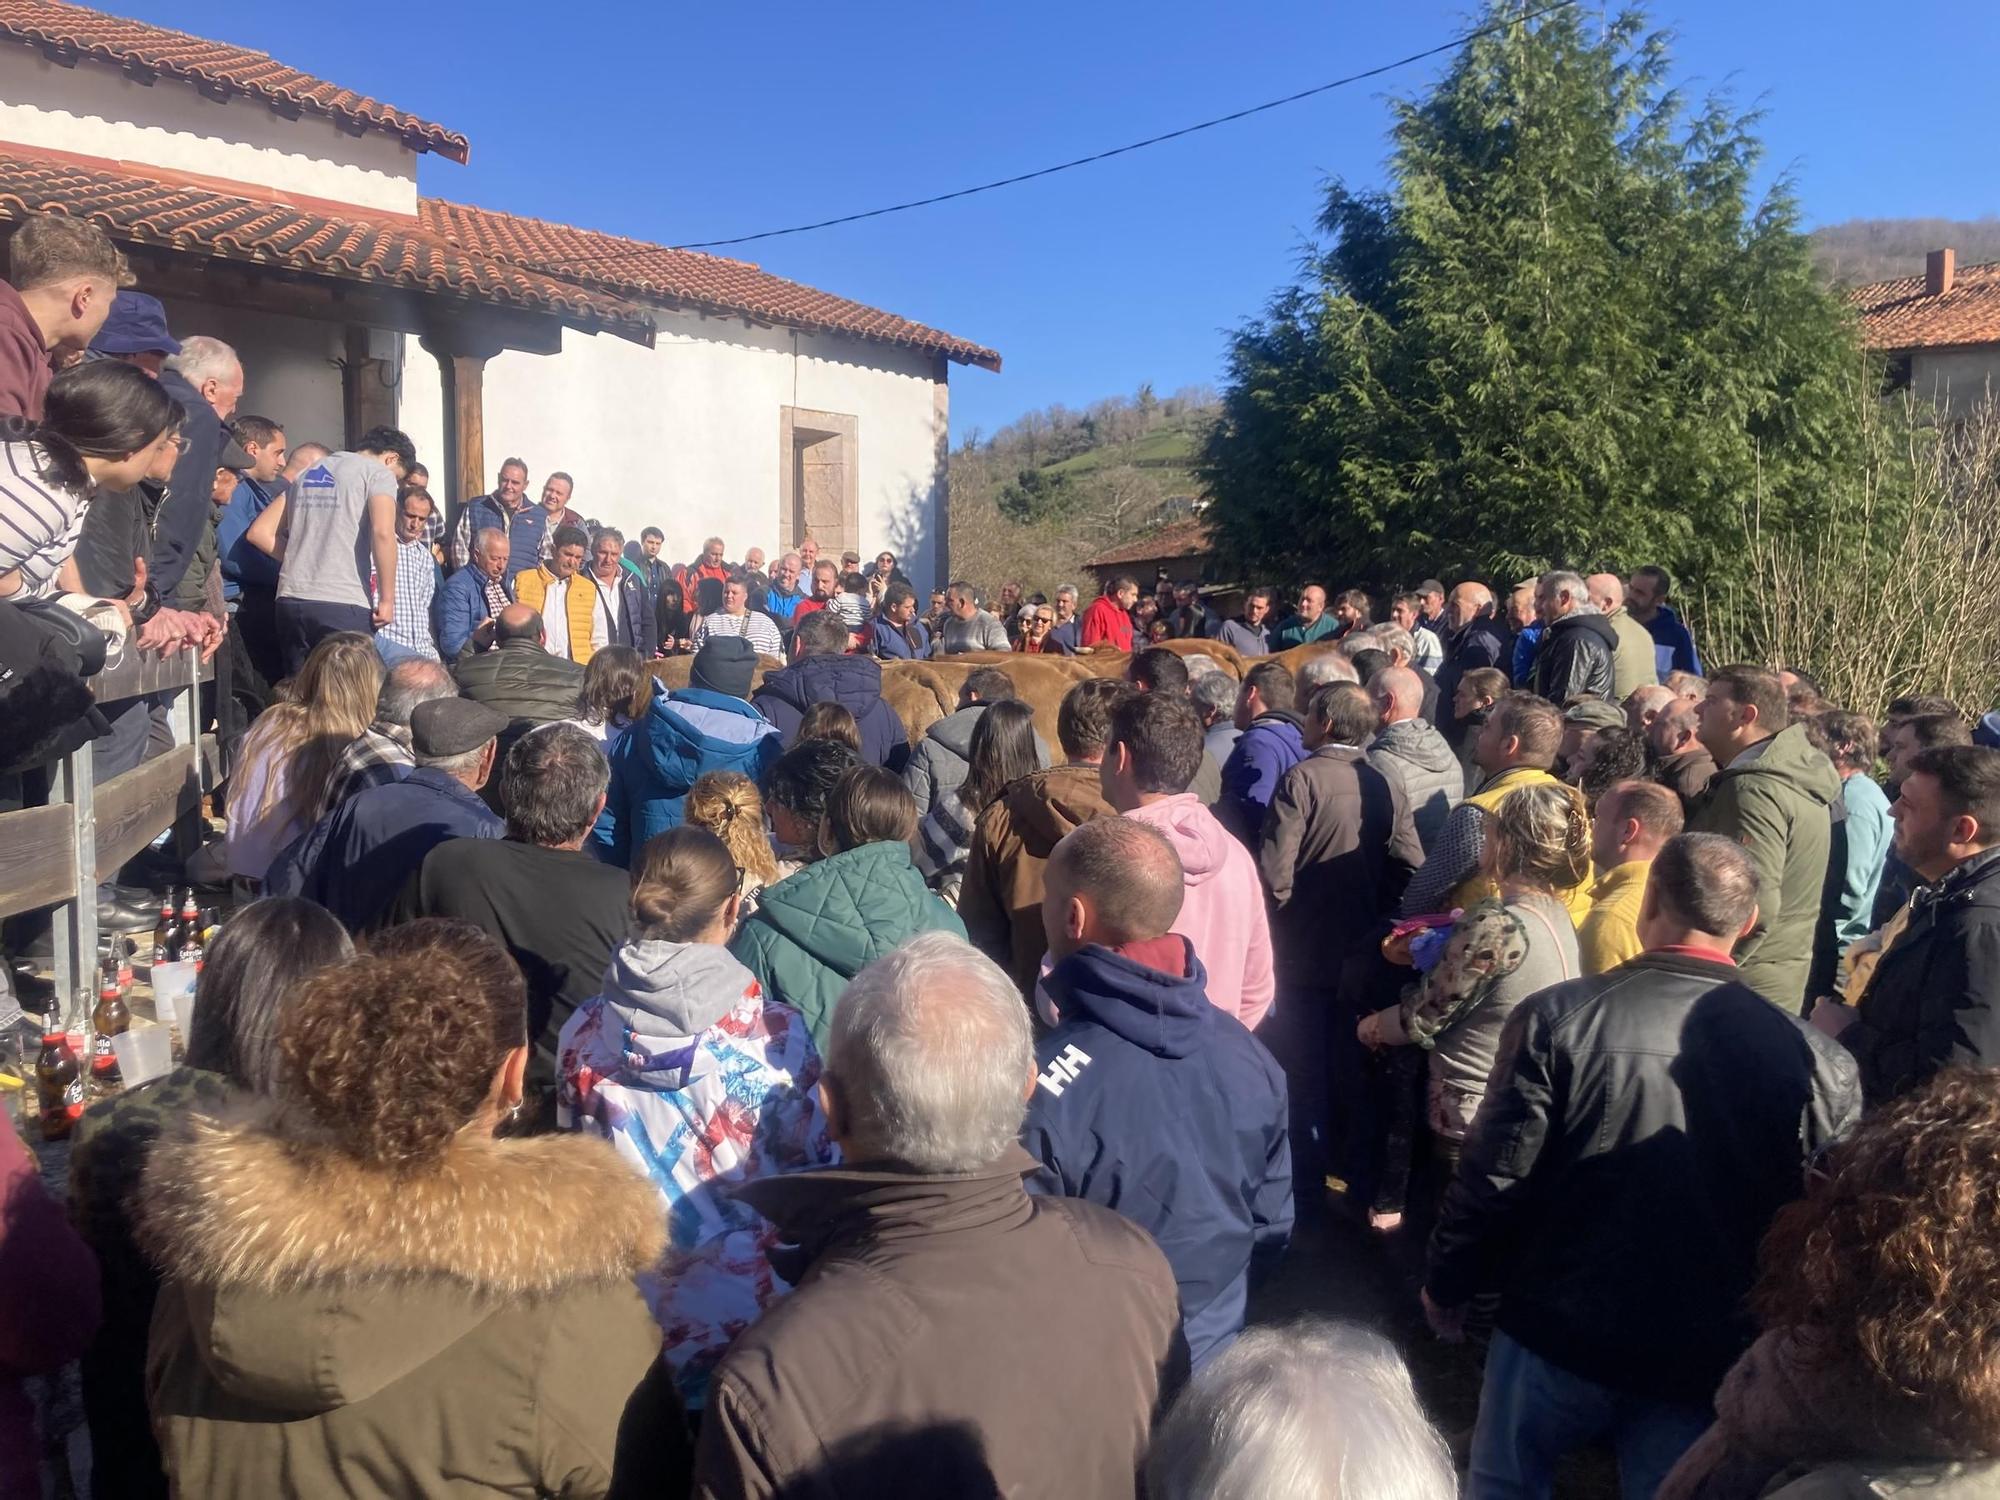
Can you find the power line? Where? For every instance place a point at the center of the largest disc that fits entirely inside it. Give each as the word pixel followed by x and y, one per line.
pixel 1171 135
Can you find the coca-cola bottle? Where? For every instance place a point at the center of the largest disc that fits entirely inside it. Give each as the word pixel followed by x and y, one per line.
pixel 59 1081
pixel 189 927
pixel 111 1018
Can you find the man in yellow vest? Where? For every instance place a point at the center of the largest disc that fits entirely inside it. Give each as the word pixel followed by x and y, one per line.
pixel 565 602
pixel 1516 746
pixel 1634 820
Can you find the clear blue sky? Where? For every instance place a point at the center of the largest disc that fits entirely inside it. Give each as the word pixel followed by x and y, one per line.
pixel 676 121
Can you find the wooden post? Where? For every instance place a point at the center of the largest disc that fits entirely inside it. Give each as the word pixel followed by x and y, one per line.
pixel 367 387
pixel 461 355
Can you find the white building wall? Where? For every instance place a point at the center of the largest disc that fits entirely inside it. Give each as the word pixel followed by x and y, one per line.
pixel 685 437
pixel 93 109
pixel 1957 379
pixel 290 369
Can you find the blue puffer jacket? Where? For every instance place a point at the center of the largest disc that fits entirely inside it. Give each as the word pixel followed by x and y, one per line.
pixel 855 683
pixel 1271 746
pixel 684 736
pixel 1154 1103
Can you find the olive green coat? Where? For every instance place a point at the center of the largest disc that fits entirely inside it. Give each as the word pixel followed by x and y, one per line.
pixel 1778 807
pixel 326 1328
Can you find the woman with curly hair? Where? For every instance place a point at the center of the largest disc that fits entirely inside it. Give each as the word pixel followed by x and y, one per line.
pixel 367 1292
pixel 1878 1371
pixel 727 804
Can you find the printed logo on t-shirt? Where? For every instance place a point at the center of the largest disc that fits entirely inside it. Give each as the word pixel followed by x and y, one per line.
pixel 315 489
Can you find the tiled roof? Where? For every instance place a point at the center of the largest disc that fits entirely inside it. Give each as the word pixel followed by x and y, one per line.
pixel 196 219
pixel 1187 538
pixel 710 282
pixel 66 33
pixel 1900 315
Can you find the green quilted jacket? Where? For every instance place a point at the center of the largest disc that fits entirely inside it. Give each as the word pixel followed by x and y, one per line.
pixel 814 931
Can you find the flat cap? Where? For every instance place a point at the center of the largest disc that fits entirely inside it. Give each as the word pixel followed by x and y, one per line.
pixel 453 726
pixel 1594 713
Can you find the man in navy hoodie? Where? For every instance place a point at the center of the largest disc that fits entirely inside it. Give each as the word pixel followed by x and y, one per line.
pixel 825 673
pixel 1272 742
pixel 1148 1099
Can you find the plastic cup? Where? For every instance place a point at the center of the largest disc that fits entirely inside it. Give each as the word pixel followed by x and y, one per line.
pixel 144 1053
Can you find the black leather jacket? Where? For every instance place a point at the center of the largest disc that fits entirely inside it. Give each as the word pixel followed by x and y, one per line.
pixel 1934 999
pixel 1575 659
pixel 1640 1130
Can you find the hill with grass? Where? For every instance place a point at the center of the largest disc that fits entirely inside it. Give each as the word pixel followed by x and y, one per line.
pixel 1036 498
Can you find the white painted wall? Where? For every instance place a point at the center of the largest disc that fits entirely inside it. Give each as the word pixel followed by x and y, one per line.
pixel 684 436
pixel 1958 379
pixel 93 109
pixel 288 370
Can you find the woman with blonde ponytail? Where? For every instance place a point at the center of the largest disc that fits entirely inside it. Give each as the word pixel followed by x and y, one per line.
pixel 727 804
pixel 1501 950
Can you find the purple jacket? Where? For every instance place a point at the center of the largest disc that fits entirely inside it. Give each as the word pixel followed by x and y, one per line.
pixel 1271 746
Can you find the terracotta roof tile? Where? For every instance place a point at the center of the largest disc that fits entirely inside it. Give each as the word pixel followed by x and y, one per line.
pixel 1187 538
pixel 66 32
pixel 197 219
pixel 1900 315
pixel 636 268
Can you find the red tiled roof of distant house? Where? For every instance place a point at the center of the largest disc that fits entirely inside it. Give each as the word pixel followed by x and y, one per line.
pixel 1176 539
pixel 1901 314
pixel 67 33
pixel 636 268
pixel 195 219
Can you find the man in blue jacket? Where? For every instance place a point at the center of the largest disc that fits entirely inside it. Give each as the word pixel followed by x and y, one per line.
pixel 825 673
pixel 378 837
pixel 896 634
pixel 1272 742
pixel 474 595
pixel 1646 601
pixel 1148 1098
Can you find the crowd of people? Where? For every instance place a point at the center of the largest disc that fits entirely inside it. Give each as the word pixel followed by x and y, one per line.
pixel 603 1087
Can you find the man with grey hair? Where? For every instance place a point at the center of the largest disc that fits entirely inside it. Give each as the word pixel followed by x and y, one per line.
pixel 1214 695
pixel 1312 1411
pixel 1641 1129
pixel 1645 704
pixel 1148 1099
pixel 1577 654
pixel 950 1334
pixel 379 835
pixel 1402 652
pixel 1315 672
pixel 382 752
pixel 1067 634
pixel 559 911
pixel 207 380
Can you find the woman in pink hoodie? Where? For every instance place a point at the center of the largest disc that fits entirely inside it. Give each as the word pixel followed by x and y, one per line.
pixel 1150 761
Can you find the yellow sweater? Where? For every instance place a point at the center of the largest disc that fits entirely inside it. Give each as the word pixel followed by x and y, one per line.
pixel 531 587
pixel 1610 934
pixel 1487 799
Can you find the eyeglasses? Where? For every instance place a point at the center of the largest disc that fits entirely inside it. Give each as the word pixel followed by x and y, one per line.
pixel 1045 619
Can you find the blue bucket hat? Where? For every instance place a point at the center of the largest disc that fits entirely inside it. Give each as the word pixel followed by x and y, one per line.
pixel 137 325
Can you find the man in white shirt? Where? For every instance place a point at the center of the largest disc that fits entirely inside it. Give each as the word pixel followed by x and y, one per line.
pixel 623 615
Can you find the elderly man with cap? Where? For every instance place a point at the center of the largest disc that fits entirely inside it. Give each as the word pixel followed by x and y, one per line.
pixel 379 836
pixel 709 725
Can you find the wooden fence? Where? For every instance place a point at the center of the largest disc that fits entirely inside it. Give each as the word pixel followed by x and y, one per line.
pixel 56 855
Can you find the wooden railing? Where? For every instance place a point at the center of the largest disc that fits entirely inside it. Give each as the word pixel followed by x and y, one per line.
pixel 56 855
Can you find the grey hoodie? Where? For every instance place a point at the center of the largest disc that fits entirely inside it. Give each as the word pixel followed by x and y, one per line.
pixel 667 995
pixel 1415 754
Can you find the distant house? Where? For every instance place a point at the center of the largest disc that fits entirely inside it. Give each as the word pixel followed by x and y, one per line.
pixel 280 212
pixel 1940 331
pixel 1179 549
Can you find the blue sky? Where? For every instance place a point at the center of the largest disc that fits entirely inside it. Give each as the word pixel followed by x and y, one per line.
pixel 678 122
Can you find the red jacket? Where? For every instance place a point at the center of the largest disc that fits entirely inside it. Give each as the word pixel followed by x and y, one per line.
pixel 1105 624
pixel 24 363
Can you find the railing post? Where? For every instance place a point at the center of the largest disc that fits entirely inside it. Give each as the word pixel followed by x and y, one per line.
pixel 74 935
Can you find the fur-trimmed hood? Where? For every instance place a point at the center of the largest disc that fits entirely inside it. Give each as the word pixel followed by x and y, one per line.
pixel 313 1281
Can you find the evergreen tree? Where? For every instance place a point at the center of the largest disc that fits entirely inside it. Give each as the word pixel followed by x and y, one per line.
pixel 1565 335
